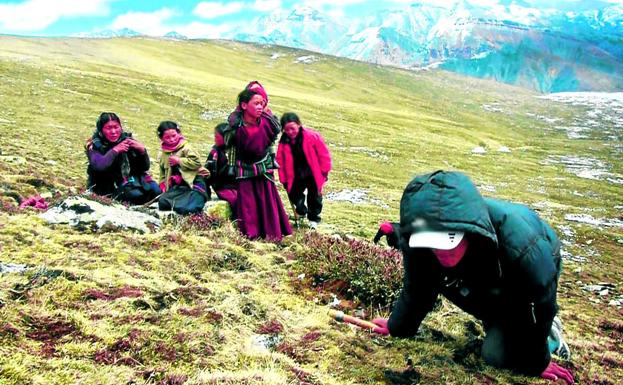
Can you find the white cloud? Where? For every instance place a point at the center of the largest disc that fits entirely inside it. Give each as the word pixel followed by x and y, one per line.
pixel 484 3
pixel 36 15
pixel 210 10
pixel 340 3
pixel 441 3
pixel 149 23
pixel 336 13
pixel 196 30
pixel 266 5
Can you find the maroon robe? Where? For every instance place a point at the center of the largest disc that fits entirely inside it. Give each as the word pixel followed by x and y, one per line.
pixel 259 209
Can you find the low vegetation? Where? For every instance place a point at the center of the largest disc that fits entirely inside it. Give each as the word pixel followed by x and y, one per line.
pixel 196 303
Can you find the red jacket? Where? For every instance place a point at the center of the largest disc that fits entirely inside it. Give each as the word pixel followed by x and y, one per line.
pixel 317 155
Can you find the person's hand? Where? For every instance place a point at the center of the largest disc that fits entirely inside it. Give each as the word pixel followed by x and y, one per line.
pixel 555 372
pixel 381 327
pixel 203 172
pixel 174 160
pixel 136 145
pixel 175 180
pixel 121 147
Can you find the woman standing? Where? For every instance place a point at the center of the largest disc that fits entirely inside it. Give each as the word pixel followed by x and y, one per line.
pixel 259 208
pixel 305 163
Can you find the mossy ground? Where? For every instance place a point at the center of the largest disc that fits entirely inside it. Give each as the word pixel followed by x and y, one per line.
pixel 185 305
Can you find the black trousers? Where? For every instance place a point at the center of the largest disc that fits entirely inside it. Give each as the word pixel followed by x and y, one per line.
pixel 314 200
pixel 517 345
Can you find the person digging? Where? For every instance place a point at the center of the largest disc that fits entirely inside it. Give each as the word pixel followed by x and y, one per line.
pixel 494 259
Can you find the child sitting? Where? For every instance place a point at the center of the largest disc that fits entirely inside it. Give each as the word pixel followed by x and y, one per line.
pixel 184 188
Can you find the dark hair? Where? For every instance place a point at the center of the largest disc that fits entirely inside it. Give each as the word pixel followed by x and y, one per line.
pixel 221 127
pixel 245 96
pixel 290 117
pixel 167 125
pixel 104 118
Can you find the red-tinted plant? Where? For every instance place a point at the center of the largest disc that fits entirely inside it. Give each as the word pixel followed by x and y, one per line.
pixel 356 269
pixel 270 327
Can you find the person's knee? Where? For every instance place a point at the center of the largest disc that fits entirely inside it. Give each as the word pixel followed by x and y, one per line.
pixel 493 348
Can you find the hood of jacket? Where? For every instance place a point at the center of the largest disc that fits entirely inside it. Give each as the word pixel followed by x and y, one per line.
pixel 445 200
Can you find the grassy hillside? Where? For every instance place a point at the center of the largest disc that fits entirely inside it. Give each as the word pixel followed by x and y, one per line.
pixel 188 304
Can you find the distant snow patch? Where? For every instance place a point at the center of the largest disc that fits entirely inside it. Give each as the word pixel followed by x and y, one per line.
pixel 504 149
pixel 602 112
pixel 487 188
pixel 216 114
pixel 355 196
pixel 584 167
pixel 493 107
pixel 589 220
pixel 309 59
pixel 370 152
pixel 275 56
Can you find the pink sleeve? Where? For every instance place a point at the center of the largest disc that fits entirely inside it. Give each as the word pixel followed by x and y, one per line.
pixel 324 157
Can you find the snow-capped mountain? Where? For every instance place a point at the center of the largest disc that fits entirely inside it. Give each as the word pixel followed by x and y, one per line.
pixel 175 36
pixel 109 33
pixel 303 27
pixel 563 49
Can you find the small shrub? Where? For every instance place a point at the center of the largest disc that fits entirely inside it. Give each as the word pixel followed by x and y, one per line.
pixel 271 327
pixel 364 271
pixel 201 222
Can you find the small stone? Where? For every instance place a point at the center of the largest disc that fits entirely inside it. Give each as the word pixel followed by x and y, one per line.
pixel 504 149
pixel 479 150
pixel 12 159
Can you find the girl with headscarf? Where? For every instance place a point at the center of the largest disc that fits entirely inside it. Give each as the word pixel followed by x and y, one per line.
pixel 181 173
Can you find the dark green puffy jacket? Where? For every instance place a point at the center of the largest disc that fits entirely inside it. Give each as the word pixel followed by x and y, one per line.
pixel 509 273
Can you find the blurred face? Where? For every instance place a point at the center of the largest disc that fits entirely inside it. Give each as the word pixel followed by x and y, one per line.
pixel 170 137
pixel 254 107
pixel 112 131
pixel 218 139
pixel 452 257
pixel 291 129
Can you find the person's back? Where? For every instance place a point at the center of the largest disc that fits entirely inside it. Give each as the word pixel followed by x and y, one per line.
pixel 222 177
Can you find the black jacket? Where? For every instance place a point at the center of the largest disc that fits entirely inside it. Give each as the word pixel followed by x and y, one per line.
pixel 509 274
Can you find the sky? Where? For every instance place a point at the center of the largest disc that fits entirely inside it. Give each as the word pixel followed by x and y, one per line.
pixel 201 19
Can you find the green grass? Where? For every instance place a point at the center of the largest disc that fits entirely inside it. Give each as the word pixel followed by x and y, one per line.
pixel 197 313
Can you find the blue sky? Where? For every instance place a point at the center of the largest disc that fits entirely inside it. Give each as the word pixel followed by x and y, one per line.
pixel 206 19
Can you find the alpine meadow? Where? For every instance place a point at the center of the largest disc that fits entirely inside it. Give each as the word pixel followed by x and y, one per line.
pixel 193 302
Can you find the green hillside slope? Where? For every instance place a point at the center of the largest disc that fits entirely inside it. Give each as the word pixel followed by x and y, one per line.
pixel 186 304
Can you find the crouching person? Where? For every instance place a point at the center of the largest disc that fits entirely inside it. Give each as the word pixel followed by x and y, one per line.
pixel 304 165
pixel 494 259
pixel 181 173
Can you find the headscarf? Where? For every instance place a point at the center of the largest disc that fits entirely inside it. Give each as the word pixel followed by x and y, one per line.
pixel 173 147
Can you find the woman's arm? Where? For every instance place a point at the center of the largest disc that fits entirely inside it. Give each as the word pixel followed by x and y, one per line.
pixel 101 162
